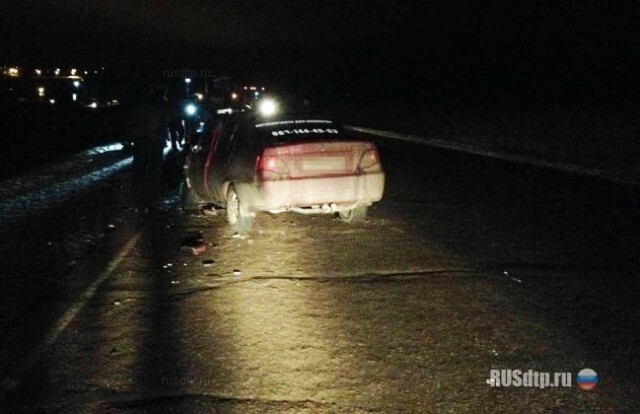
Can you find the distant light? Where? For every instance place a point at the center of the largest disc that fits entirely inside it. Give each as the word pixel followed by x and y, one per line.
pixel 102 68
pixel 191 109
pixel 93 105
pixel 245 88
pixel 199 96
pixel 38 72
pixel 95 71
pixel 74 97
pixel 41 91
pixel 76 84
pixel 257 93
pixel 268 107
pixel 115 102
pixel 234 96
pixel 73 71
pixel 52 101
pixel 263 88
pixel 86 72
pixel 225 111
pixel 57 71
pixel 14 72
pixel 187 80
pixel 253 88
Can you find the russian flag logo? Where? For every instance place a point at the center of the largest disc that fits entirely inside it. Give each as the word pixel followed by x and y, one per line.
pixel 587 379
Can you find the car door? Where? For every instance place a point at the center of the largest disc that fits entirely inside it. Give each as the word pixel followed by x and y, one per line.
pixel 242 158
pixel 218 157
pixel 196 162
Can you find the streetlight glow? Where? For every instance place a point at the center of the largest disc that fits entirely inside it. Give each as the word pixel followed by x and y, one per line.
pixel 191 109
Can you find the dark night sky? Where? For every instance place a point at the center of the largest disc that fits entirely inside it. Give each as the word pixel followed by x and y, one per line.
pixel 446 47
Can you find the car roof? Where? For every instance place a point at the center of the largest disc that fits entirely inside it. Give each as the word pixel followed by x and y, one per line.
pixel 287 118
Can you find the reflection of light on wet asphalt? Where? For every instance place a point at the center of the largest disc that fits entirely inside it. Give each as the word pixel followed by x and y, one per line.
pixel 27 204
pixel 104 148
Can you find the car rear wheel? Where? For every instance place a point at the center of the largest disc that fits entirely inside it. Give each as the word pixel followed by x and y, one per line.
pixel 354 215
pixel 238 216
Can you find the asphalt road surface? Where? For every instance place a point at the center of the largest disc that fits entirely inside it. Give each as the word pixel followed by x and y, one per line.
pixel 467 264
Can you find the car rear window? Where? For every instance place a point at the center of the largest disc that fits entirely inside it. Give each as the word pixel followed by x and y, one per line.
pixel 298 130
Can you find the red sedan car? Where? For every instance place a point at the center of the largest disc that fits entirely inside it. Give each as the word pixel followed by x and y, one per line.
pixel 298 163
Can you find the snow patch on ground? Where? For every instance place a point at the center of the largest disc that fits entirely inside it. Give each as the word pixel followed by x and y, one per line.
pixel 51 184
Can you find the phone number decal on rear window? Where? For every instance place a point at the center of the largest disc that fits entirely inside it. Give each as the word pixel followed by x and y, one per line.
pixel 283 132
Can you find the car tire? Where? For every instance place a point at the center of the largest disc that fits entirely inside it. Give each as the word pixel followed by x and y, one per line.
pixel 238 216
pixel 354 215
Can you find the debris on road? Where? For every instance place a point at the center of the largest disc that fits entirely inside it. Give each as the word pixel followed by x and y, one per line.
pixel 198 249
pixel 208 263
pixel 194 244
pixel 209 210
pixel 236 272
pixel 117 303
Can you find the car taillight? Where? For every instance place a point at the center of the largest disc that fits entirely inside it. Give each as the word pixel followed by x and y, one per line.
pixel 271 167
pixel 370 161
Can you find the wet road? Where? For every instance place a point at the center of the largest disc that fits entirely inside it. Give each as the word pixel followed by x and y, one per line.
pixel 467 265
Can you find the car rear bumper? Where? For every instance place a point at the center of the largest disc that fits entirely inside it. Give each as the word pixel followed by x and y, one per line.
pixel 352 190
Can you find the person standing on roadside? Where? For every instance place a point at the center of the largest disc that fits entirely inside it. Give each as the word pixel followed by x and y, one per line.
pixel 150 119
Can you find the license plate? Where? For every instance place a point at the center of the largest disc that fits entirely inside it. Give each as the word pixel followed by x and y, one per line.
pixel 323 164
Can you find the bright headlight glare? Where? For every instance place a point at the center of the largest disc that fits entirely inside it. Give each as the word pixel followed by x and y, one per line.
pixel 268 107
pixel 190 109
